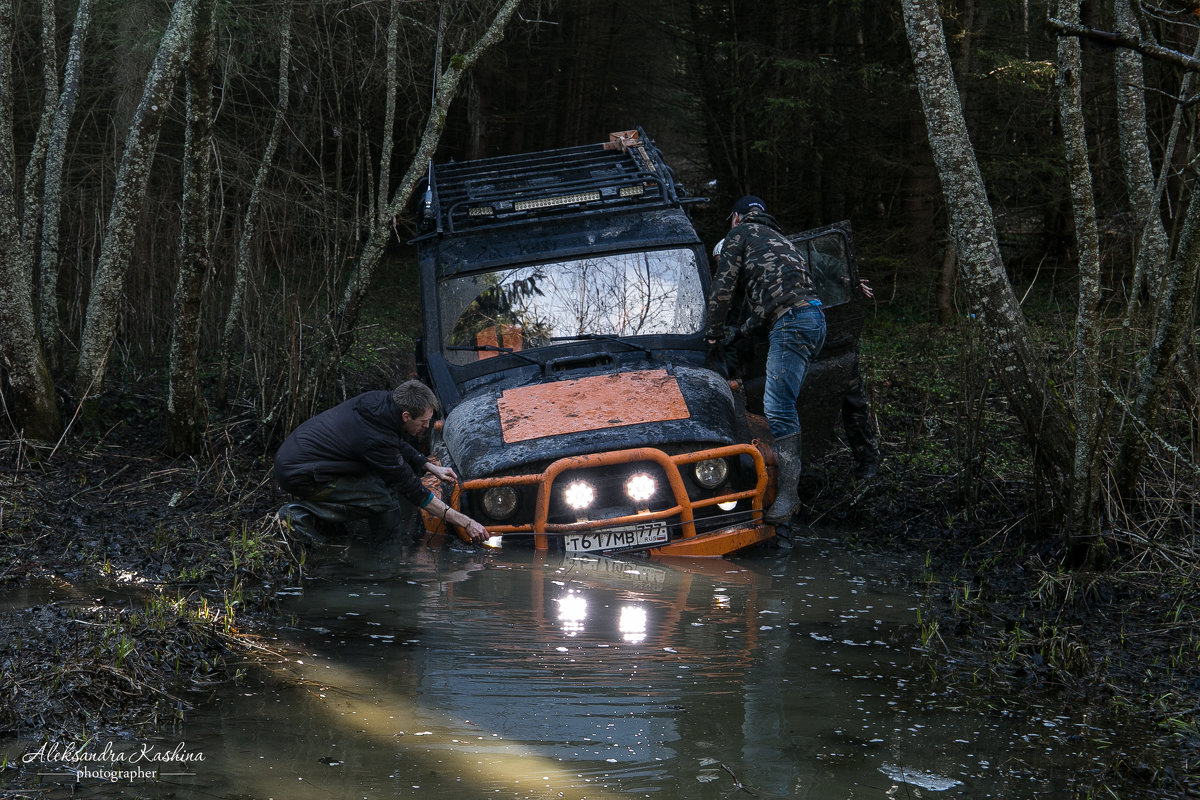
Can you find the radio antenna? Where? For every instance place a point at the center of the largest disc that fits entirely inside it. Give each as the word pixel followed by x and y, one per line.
pixel 437 73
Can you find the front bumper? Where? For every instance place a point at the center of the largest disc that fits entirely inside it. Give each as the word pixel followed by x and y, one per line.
pixel 680 512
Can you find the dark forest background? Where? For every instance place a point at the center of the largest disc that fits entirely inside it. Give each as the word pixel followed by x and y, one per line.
pixel 810 105
pixel 216 196
pixel 205 210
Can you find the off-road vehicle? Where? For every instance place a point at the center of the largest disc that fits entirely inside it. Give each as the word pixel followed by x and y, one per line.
pixel 563 296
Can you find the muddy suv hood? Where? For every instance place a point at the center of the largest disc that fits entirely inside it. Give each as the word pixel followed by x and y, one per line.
pixel 501 430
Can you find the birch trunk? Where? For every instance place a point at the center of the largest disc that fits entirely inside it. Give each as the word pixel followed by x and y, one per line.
pixel 249 222
pixel 346 316
pixel 184 407
pixel 34 405
pixel 1085 481
pixel 1015 358
pixel 129 194
pixel 48 313
pixel 1150 263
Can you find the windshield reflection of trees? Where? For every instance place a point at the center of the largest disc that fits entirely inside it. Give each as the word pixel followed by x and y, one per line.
pixel 631 294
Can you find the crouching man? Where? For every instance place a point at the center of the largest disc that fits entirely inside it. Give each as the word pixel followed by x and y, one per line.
pixel 354 461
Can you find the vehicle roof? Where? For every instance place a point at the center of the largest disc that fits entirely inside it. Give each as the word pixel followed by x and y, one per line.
pixel 593 187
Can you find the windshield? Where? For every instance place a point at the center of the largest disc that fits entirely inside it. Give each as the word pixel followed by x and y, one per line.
pixel 629 294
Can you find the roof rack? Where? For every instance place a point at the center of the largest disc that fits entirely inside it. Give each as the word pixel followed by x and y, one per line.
pixel 484 194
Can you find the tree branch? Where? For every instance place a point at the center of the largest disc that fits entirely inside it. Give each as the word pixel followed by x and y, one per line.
pixel 1112 39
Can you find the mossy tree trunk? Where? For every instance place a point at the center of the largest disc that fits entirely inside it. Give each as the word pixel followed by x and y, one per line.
pixel 1084 486
pixel 48 265
pixel 1134 139
pixel 34 407
pixel 129 194
pixel 185 411
pixel 1015 358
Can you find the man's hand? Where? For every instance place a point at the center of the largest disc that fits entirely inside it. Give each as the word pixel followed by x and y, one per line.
pixel 864 286
pixel 477 532
pixel 443 473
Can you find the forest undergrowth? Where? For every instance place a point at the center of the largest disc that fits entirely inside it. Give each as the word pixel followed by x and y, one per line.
pixel 162 564
pixel 1014 611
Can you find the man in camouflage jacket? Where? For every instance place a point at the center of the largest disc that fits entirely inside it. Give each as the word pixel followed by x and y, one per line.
pixel 759 261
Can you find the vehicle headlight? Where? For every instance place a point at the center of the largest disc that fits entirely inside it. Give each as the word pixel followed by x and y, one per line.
pixel 579 495
pixel 500 502
pixel 640 487
pixel 711 474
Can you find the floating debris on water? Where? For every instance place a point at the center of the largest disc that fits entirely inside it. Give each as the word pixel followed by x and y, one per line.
pixel 922 780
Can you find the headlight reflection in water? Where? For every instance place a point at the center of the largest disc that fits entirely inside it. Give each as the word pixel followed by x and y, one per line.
pixel 632 623
pixel 572 611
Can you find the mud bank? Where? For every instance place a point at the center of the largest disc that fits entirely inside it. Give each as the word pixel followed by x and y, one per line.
pixel 135 582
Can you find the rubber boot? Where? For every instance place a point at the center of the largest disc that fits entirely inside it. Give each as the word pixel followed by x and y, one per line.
pixel 787 453
pixel 866 465
pixel 299 520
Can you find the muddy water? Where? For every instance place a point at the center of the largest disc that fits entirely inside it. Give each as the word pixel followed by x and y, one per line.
pixel 461 675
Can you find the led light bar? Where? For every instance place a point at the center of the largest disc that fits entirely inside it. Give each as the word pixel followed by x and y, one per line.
pixel 561 200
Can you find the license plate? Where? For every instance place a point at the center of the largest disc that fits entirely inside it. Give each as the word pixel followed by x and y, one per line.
pixel 623 538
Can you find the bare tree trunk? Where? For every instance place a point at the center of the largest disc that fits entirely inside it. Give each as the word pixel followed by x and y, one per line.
pixel 242 267
pixel 1176 320
pixel 184 405
pixel 48 314
pixel 346 316
pixel 129 193
pixel 1085 480
pixel 945 296
pixel 30 218
pixel 389 117
pixel 34 405
pixel 1015 358
pixel 1151 262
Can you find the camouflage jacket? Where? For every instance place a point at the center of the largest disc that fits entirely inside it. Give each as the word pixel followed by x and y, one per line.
pixel 758 261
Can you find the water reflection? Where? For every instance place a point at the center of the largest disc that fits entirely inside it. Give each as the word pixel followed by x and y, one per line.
pixel 461 674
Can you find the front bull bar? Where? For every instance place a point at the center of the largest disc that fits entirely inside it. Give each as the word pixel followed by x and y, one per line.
pixel 684 506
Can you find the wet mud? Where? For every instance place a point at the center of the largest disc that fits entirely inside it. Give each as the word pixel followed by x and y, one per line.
pixel 137 588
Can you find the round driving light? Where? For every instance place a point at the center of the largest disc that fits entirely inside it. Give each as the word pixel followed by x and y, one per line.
pixel 579 495
pixel 640 487
pixel 500 502
pixel 730 506
pixel 711 474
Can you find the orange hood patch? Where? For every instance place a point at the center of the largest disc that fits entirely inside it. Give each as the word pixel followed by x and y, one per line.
pixel 588 404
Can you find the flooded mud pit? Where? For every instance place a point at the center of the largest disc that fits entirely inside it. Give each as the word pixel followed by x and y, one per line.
pixel 409 672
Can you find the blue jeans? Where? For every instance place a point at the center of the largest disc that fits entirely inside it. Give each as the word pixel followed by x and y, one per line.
pixel 795 339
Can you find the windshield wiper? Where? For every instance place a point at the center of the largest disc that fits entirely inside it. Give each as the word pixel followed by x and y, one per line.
pixel 475 348
pixel 602 337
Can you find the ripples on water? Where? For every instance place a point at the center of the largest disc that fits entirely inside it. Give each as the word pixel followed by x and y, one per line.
pixel 460 675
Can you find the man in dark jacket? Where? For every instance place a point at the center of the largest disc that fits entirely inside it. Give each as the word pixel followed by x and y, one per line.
pixel 759 261
pixel 354 460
